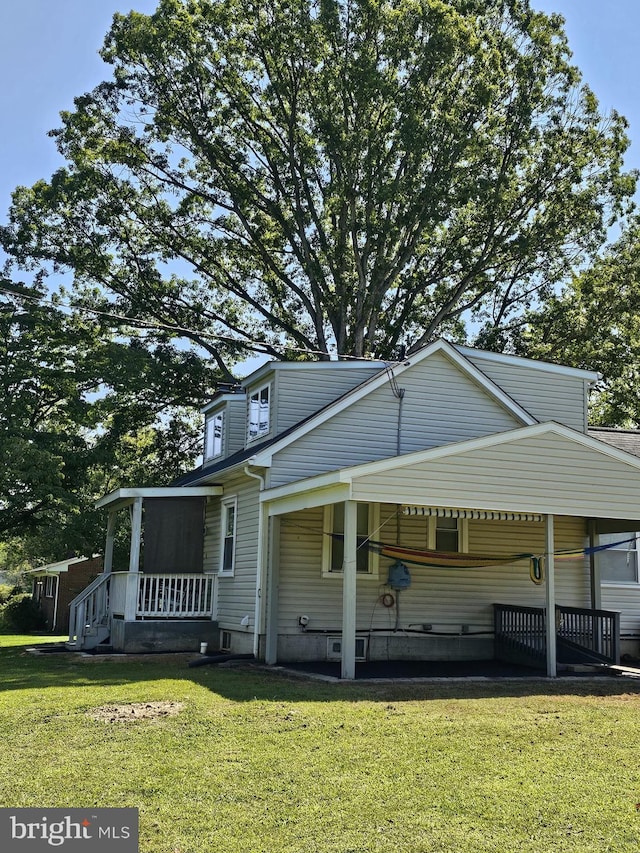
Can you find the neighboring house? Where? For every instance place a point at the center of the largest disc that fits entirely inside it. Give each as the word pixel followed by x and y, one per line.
pixel 358 509
pixel 57 584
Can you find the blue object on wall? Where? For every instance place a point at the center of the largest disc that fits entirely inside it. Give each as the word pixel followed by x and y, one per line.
pixel 399 576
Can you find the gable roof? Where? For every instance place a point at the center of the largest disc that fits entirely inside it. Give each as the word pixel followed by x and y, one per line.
pixel 264 454
pixel 546 467
pixel 548 366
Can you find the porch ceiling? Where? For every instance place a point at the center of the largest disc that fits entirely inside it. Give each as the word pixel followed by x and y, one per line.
pixel 545 468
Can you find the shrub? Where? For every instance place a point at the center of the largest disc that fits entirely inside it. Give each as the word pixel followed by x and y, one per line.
pixel 23 614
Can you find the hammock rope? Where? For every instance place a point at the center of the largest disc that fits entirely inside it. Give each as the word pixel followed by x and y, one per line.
pixel 451 560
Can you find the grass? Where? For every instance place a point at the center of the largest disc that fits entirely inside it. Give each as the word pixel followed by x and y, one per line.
pixel 258 762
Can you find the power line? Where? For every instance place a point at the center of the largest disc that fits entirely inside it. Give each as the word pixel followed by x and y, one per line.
pixel 146 324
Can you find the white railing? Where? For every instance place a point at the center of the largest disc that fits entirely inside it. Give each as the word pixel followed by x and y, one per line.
pixel 89 612
pixel 174 596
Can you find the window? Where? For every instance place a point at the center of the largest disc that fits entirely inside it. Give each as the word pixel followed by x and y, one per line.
pixel 448 534
pixel 333 540
pixel 229 512
pixel 620 564
pixel 259 413
pixel 213 436
pixel 50 586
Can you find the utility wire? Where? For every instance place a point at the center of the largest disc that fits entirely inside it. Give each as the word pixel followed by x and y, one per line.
pixel 146 324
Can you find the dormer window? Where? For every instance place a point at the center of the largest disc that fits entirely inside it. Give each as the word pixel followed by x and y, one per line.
pixel 213 436
pixel 258 413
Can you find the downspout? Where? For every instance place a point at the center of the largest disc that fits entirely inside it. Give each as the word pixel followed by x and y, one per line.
pixel 262 526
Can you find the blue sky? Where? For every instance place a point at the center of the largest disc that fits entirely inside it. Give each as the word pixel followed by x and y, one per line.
pixel 48 54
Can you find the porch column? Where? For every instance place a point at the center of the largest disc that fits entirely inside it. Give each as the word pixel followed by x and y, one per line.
pixel 136 535
pixel 550 596
pixel 272 587
pixel 349 577
pixel 594 567
pixel 108 548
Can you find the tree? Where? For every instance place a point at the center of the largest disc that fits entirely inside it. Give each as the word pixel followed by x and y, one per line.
pixel 595 323
pixel 292 178
pixel 83 410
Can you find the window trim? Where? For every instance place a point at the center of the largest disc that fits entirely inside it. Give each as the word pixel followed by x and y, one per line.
pixel 256 393
pixel 209 421
pixel 463 535
pixel 373 523
pixel 50 586
pixel 225 505
pixel 621 583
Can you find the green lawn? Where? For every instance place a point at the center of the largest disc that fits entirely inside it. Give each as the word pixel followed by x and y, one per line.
pixel 257 762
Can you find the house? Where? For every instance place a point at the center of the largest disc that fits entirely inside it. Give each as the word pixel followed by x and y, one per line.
pixel 57 584
pixel 436 508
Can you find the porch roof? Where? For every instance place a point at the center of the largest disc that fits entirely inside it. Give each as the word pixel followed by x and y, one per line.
pixel 546 468
pixel 122 497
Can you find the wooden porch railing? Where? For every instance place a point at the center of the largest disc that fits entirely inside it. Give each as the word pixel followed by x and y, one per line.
pixel 597 631
pixel 583 634
pixel 174 596
pixel 519 634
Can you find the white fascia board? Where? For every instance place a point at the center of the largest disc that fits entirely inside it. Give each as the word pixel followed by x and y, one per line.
pixel 493 440
pixel 548 366
pixel 307 497
pixel 275 366
pixel 54 568
pixel 264 458
pixel 220 400
pixel 335 486
pixel 129 495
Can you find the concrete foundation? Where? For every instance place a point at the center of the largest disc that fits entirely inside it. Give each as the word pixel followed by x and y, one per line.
pixel 308 647
pixel 162 635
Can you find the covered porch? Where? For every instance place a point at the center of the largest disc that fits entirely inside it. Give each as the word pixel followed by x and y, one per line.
pixel 532 497
pixel 162 599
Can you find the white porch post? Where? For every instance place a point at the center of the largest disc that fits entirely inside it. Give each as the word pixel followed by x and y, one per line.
pixel 136 535
pixel 349 578
pixel 594 565
pixel 108 548
pixel 131 600
pixel 550 596
pixel 272 584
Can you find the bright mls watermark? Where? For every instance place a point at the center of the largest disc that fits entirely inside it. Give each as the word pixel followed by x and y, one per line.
pixel 69 830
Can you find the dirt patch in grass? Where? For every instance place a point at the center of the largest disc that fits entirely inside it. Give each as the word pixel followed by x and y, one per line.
pixel 134 711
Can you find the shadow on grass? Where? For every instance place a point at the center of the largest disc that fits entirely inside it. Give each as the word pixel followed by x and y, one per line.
pixel 21 670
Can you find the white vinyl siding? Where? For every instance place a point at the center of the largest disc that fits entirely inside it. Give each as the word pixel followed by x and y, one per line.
pixel 547 395
pixel 626 599
pixel 444 598
pixel 441 405
pixel 235 594
pixel 303 391
pixel 546 473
